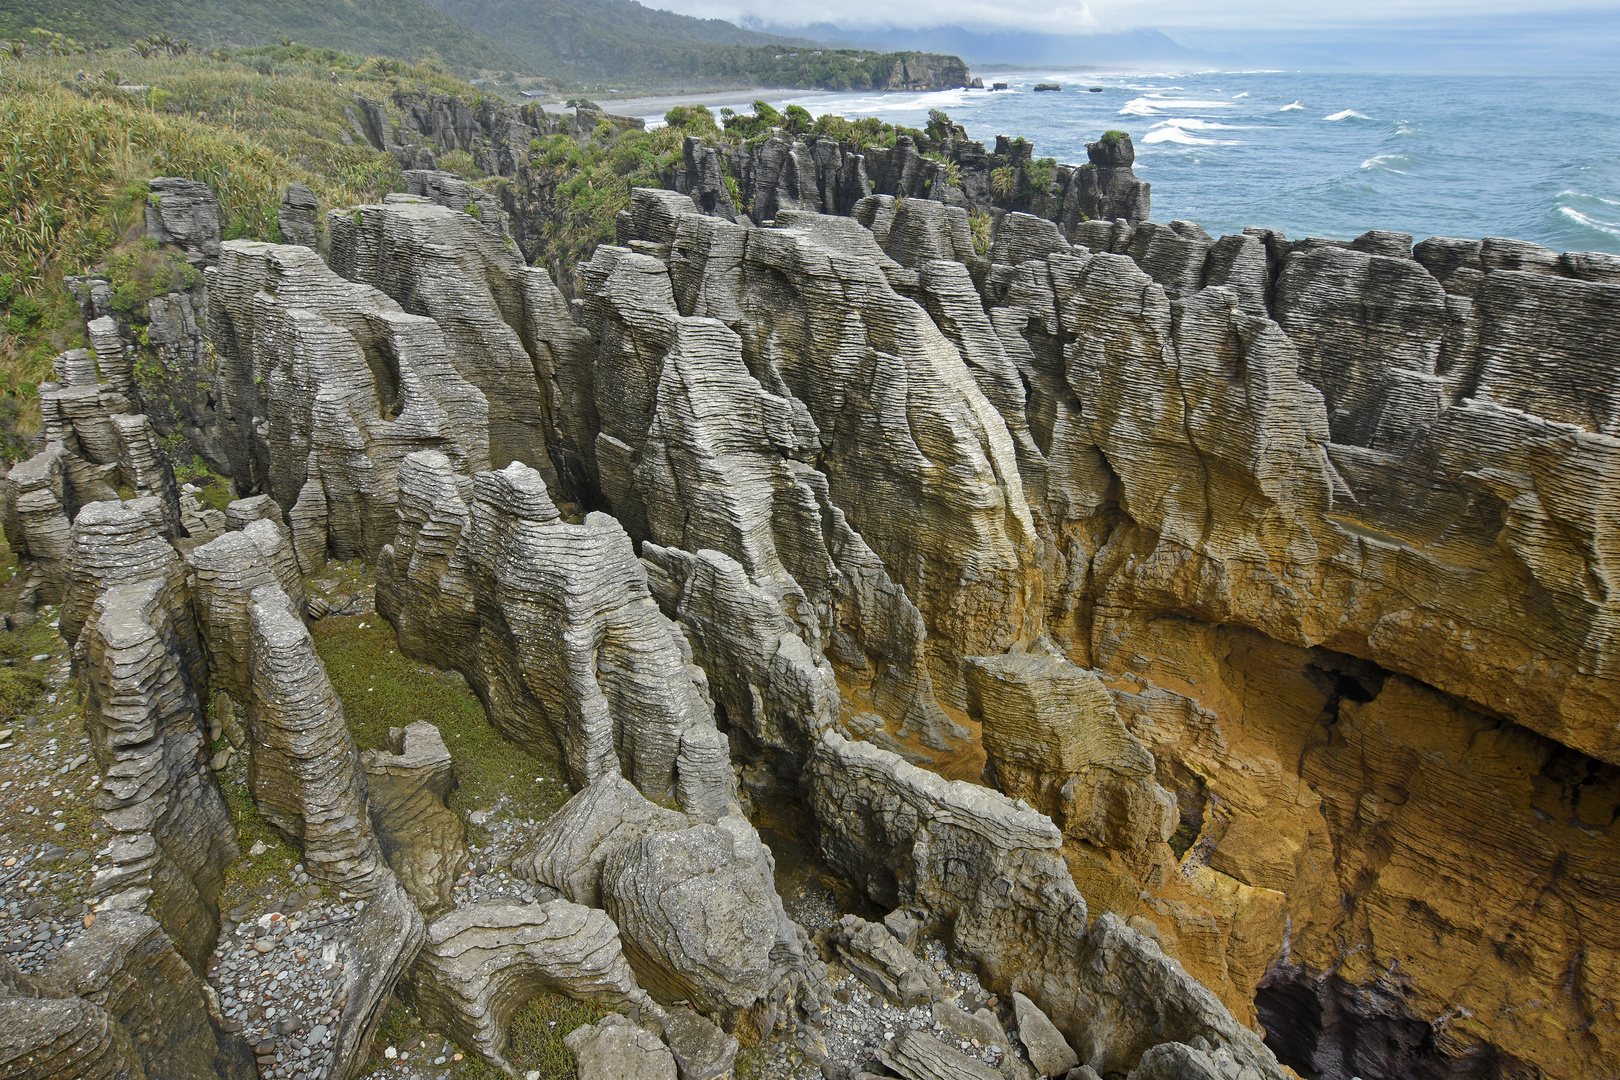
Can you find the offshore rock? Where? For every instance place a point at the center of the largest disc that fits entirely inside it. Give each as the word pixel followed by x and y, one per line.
pixel 701 920
pixel 586 669
pixel 482 962
pixel 568 851
pixel 422 839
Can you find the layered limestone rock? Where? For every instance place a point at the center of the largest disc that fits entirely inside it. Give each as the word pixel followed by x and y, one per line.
pixel 482 962
pixel 126 965
pixel 701 922
pixel 552 624
pixel 137 651
pixel 305 769
pixel 974 862
pixel 324 386
pixel 569 850
pixel 868 378
pixel 506 326
pixel 424 842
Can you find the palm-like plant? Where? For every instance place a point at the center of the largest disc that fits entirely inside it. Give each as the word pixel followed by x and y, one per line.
pixel 143 48
pixel 182 47
pixel 17 49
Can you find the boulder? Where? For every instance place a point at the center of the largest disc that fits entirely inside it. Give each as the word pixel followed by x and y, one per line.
pixel 874 956
pixel 569 850
pixel 917 1056
pixel 298 215
pixel 1048 1050
pixel 423 841
pixel 615 1049
pixel 702 1050
pixel 482 962
pixel 184 212
pixel 701 921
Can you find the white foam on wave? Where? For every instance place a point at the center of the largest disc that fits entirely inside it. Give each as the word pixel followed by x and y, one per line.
pixel 1292 107
pixel 1158 104
pixel 1386 163
pixel 1242 95
pixel 1162 134
pixel 1195 124
pixel 1347 114
pixel 1610 227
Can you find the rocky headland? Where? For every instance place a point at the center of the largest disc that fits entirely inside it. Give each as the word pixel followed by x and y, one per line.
pixel 1188 656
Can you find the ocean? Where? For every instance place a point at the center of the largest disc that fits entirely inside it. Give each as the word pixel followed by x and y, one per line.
pixel 1329 154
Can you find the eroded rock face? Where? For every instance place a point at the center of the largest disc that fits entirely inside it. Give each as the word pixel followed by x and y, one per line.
pixel 423 840
pixel 324 387
pixel 568 851
pixel 305 769
pixel 137 651
pixel 482 962
pixel 971 859
pixel 552 623
pixel 615 1049
pixel 701 920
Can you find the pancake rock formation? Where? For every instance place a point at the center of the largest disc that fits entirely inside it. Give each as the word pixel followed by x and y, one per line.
pixel 1208 640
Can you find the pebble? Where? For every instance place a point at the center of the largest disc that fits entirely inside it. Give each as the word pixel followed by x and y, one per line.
pixel 41 658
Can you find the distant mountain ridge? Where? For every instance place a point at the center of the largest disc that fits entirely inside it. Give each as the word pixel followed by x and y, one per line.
pixel 996 46
pixel 597 41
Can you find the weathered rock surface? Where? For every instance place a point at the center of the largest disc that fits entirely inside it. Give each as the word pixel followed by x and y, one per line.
pixel 137 650
pixel 324 387
pixel 422 839
pixel 298 215
pixel 585 668
pixel 305 769
pixel 880 961
pixel 701 920
pixel 482 962
pixel 185 213
pixel 615 1049
pixel 127 965
pixel 702 1050
pixel 568 851
pixel 1048 1051
pixel 916 1056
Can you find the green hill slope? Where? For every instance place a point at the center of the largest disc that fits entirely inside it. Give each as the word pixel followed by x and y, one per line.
pixel 406 29
pixel 597 42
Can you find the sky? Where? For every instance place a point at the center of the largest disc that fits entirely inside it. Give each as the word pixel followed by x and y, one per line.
pixel 1083 16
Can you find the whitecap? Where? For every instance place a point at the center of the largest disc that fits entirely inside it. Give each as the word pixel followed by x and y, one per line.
pixel 1194 124
pixel 1184 138
pixel 1292 107
pixel 1139 107
pixel 1386 163
pixel 1347 114
pixel 1242 95
pixel 1610 227
pixel 1186 103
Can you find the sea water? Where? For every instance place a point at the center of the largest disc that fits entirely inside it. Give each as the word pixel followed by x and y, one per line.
pixel 1321 154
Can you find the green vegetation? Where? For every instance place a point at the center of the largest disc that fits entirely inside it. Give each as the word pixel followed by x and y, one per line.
pixel 537 1033
pixel 404 29
pixel 79 146
pixel 383 688
pixel 1114 136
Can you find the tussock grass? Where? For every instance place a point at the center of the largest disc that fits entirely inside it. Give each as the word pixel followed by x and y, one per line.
pixel 80 136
